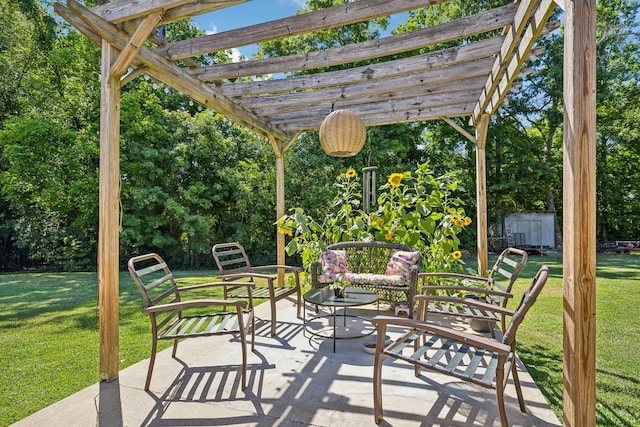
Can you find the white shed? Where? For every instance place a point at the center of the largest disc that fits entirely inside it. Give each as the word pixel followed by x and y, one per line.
pixel 534 229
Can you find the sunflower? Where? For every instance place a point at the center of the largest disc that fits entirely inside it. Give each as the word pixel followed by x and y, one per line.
pixel 286 231
pixel 456 255
pixel 395 179
pixel 467 221
pixel 455 219
pixel 390 234
pixel 350 173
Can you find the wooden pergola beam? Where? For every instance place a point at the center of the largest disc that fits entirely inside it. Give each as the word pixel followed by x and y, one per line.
pixel 322 19
pixel 513 34
pixel 393 106
pixel 501 86
pixel 177 78
pixel 464 27
pixel 390 117
pixel 358 90
pixel 452 88
pixel 124 10
pixel 446 57
pixel 128 53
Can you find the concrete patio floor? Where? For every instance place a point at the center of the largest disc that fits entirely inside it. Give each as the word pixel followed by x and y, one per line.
pixel 293 380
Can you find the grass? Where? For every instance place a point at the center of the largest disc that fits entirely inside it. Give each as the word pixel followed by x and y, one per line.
pixel 50 343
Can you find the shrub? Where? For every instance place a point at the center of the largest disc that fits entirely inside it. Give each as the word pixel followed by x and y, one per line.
pixel 414 208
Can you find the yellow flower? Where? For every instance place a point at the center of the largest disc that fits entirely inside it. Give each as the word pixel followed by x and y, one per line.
pixel 379 222
pixel 395 179
pixel 350 173
pixel 286 231
pixel 390 234
pixel 456 255
pixel 455 219
pixel 467 221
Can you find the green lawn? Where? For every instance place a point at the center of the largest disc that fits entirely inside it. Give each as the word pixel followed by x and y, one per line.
pixel 49 336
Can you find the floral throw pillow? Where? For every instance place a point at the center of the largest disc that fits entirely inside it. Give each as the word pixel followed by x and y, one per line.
pixel 334 266
pixel 334 262
pixel 400 264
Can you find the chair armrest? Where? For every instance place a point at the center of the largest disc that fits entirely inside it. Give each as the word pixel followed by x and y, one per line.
pixel 383 322
pixel 460 276
pixel 215 284
pixel 277 267
pixel 470 289
pixel 193 303
pixel 237 276
pixel 466 301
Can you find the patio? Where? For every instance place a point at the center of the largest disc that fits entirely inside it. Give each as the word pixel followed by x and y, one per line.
pixel 292 380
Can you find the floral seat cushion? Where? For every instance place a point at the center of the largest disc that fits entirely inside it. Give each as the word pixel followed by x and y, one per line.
pixel 364 279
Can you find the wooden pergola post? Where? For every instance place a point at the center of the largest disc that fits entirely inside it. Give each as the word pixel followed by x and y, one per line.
pixel 279 150
pixel 579 213
pixel 108 239
pixel 481 193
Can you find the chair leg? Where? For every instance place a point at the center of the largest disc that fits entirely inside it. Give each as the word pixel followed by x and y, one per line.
pixel 272 301
pixel 175 348
pixel 253 332
pixel 152 360
pixel 516 382
pixel 377 387
pixel 243 343
pixel 500 394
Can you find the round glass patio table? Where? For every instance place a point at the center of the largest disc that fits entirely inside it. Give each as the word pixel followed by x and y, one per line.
pixel 325 297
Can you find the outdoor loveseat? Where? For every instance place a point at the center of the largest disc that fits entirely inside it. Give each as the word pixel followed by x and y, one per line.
pixel 388 269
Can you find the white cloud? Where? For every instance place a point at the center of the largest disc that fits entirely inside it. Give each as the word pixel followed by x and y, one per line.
pixel 236 55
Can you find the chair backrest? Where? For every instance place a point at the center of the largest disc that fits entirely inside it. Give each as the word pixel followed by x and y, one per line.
pixel 231 258
pixel 154 279
pixel 156 284
pixel 507 268
pixel 528 298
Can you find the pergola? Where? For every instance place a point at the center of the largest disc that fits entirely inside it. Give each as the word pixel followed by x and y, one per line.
pixel 469 80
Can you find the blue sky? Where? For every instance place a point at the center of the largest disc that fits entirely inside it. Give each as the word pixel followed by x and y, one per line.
pixel 249 13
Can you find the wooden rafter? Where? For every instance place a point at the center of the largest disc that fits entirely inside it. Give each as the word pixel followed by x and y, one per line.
pixel 464 27
pixel 404 66
pixel 174 76
pixel 313 21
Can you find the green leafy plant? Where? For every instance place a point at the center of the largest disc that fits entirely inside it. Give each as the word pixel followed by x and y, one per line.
pixel 416 208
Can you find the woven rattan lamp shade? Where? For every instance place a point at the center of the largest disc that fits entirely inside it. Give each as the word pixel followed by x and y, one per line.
pixel 342 134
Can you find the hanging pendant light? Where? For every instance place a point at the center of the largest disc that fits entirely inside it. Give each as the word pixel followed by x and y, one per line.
pixel 342 134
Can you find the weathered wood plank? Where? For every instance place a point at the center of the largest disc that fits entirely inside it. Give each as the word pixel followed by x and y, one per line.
pixel 387 118
pixel 108 216
pixel 125 10
pixel 461 28
pixel 358 90
pixel 141 33
pixel 472 85
pixel 531 34
pixel 427 101
pixel 481 195
pixel 176 77
pixel 331 17
pixel 445 57
pixel 579 214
